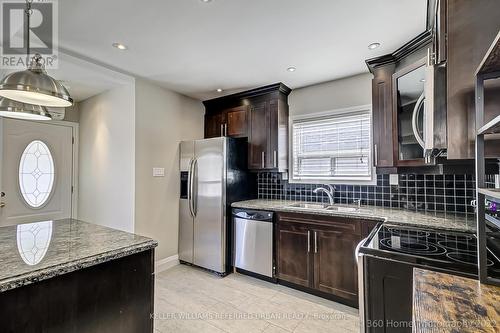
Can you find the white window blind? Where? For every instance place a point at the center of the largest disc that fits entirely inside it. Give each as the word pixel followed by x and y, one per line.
pixel 334 147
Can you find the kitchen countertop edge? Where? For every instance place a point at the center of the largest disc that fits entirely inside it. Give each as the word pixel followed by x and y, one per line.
pixel 68 267
pixel 457 223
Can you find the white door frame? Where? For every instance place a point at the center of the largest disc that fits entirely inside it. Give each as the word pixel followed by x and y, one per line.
pixel 75 129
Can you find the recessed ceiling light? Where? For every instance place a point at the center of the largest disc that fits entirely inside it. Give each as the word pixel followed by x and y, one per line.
pixel 373 46
pixel 206 1
pixel 120 46
pixel 291 69
pixel 219 90
pixel 422 80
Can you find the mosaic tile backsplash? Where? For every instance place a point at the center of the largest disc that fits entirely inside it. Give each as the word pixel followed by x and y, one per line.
pixel 439 193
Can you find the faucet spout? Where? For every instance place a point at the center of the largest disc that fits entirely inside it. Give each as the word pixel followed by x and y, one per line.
pixel 329 192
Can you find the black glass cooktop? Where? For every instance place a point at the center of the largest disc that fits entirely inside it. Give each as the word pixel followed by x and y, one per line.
pixel 441 249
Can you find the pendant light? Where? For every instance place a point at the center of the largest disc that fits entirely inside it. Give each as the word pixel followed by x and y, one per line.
pixel 18 110
pixel 34 85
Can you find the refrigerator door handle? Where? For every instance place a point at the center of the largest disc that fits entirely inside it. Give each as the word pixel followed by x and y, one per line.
pixel 190 187
pixel 194 203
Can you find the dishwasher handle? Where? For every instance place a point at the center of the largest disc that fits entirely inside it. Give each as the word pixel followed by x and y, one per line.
pixel 253 215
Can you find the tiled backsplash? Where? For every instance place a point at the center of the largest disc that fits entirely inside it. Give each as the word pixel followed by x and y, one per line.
pixel 441 193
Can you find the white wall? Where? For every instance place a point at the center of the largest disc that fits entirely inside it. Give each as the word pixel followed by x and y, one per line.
pixel 107 158
pixel 339 94
pixel 163 119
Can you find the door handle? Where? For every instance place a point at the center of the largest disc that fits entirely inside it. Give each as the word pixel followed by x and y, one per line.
pixel 221 129
pixel 263 158
pixel 315 242
pixel 308 241
pixel 275 159
pixel 190 187
pixel 193 195
pixel 375 160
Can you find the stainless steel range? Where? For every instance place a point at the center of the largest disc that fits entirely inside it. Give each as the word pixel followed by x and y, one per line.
pixel 386 261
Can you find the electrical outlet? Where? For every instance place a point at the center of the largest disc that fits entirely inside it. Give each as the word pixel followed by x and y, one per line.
pixel 394 180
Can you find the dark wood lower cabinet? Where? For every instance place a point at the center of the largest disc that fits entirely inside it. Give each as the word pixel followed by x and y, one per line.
pixel 294 256
pixel 316 254
pixel 335 269
pixel 389 289
pixel 115 296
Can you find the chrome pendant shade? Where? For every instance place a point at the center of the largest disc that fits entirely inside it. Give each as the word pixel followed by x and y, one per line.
pixel 18 110
pixel 34 86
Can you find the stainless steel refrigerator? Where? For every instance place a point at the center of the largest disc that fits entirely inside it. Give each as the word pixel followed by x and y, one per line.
pixel 213 174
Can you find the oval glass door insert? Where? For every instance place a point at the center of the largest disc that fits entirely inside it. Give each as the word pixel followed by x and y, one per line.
pixel 36 174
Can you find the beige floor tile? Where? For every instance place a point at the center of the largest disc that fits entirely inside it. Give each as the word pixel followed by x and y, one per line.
pixel 238 303
pixel 230 319
pixel 274 329
pixel 187 326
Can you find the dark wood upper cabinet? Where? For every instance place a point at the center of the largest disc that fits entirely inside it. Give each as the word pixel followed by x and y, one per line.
pixel 236 120
pixel 261 115
pixel 470 28
pixel 214 125
pixel 458 34
pixel 258 135
pixel 383 147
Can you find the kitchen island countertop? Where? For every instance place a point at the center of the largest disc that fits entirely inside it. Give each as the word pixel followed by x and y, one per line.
pixel 447 303
pixel 38 251
pixel 444 221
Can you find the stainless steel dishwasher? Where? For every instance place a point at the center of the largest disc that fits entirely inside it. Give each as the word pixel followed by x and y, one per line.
pixel 253 230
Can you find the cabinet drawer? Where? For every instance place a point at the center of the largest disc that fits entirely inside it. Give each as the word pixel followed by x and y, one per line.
pixel 347 225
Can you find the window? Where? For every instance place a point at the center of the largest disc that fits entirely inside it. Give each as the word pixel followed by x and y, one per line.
pixel 36 174
pixel 333 147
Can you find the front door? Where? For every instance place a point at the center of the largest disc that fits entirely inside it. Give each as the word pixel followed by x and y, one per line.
pixel 36 171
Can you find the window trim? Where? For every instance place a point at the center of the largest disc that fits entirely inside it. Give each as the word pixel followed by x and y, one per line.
pixel 325 114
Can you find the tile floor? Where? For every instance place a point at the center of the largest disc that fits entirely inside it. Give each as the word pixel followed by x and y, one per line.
pixel 191 300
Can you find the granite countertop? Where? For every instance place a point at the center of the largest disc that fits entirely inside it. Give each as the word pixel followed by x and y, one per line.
pixel 37 251
pixel 454 222
pixel 448 303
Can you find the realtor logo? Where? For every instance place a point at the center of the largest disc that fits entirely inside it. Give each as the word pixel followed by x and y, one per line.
pixel 42 33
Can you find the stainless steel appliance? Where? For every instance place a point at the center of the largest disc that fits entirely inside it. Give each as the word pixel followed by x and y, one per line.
pixel 421 118
pixel 385 266
pixel 213 175
pixel 254 241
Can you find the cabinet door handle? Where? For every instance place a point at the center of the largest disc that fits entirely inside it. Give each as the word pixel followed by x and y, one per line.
pixel 308 241
pixel 221 129
pixel 375 159
pixel 315 242
pixel 263 159
pixel 275 159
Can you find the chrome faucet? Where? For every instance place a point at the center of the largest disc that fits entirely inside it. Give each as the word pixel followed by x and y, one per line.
pixel 329 192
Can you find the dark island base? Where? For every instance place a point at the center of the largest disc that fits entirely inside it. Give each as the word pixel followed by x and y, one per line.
pixel 115 296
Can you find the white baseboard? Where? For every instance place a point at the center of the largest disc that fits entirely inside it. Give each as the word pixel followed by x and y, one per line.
pixel 167 263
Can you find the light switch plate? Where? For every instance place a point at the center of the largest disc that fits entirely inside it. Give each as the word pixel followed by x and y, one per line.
pixel 393 179
pixel 158 172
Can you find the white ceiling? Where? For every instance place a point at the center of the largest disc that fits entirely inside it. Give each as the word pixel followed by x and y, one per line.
pixel 194 48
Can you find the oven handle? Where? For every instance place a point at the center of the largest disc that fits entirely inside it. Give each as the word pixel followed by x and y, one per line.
pixel 356 252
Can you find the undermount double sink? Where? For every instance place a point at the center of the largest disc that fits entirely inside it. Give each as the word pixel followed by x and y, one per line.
pixel 319 206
